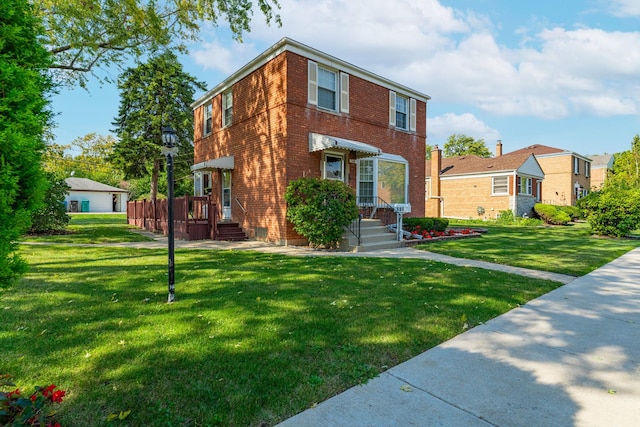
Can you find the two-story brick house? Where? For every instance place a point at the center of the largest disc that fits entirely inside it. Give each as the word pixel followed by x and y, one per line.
pixel 567 175
pixel 293 112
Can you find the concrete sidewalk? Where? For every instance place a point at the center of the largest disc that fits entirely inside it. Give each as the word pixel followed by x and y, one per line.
pixel 568 358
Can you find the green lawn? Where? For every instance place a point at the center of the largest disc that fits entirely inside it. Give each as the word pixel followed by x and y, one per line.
pixel 252 337
pixel 94 228
pixel 561 249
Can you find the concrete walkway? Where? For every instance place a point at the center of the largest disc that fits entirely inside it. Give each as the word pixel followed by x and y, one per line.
pixel 568 358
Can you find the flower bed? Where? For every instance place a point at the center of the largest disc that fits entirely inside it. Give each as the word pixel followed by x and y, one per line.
pixel 420 235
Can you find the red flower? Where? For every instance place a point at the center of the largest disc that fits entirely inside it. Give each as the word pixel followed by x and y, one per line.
pixel 58 395
pixel 53 425
pixel 14 393
pixel 47 391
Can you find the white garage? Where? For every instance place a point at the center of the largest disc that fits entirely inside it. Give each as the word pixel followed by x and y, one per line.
pixel 86 195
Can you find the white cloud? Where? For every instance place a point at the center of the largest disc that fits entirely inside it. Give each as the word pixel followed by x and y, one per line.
pixel 625 8
pixel 441 127
pixel 456 57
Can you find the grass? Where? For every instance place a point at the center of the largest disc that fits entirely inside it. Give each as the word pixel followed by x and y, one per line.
pixel 94 228
pixel 252 339
pixel 569 249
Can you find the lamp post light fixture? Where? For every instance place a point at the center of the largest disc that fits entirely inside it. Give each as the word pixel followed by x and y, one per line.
pixel 169 139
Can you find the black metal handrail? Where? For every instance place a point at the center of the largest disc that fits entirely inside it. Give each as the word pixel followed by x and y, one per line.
pixel 376 207
pixel 354 228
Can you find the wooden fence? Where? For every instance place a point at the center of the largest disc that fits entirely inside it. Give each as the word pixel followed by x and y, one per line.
pixel 194 218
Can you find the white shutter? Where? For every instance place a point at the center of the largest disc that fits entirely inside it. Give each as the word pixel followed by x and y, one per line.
pixel 344 92
pixel 313 83
pixel 392 108
pixel 412 117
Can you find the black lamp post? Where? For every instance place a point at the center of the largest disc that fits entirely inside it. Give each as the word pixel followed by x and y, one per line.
pixel 169 139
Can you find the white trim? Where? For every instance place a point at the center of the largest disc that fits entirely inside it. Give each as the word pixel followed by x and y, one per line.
pixel 287 44
pixel 342 168
pixel 226 162
pixel 318 142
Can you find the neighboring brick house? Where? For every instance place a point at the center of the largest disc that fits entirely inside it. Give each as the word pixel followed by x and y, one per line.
pixel 296 112
pixel 567 175
pixel 479 188
pixel 601 167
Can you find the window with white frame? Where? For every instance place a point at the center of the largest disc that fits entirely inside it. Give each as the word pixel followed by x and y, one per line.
pixel 382 178
pixel 333 166
pixel 227 108
pixel 500 185
pixel 526 186
pixel 328 89
pixel 402 112
pixel 365 181
pixel 207 120
pixel 576 165
pixel 587 169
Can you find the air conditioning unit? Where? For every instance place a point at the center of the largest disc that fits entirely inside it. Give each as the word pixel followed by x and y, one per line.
pixel 402 207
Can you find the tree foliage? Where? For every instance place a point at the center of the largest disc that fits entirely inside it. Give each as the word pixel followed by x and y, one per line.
pixel 153 95
pixel 24 114
pixel 461 145
pixel 320 209
pixel 52 216
pixel 92 161
pixel 626 167
pixel 85 34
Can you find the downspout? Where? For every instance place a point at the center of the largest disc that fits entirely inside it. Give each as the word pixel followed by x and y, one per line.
pixel 441 198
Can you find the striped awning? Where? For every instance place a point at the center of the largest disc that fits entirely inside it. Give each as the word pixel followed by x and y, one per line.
pixel 318 142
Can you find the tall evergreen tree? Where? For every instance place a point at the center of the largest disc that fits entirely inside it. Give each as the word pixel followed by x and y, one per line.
pixel 152 95
pixel 24 114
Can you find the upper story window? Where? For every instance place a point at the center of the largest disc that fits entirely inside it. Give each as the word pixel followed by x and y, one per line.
pixel 207 120
pixel 402 112
pixel 576 165
pixel 227 108
pixel 500 185
pixel 328 89
pixel 587 169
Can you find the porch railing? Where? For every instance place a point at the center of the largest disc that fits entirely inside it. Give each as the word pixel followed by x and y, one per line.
pixel 376 207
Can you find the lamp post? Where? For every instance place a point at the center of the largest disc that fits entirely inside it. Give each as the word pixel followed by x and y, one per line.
pixel 169 139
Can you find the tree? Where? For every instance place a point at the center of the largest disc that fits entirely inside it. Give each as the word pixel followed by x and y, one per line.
pixel 24 115
pixel 152 95
pixel 626 167
pixel 461 145
pixel 85 34
pixel 92 162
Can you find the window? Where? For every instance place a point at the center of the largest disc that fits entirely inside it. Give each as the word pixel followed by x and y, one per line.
pixel 500 185
pixel 207 119
pixel 526 186
pixel 402 112
pixel 328 89
pixel 365 182
pixel 576 165
pixel 587 169
pixel 227 108
pixel 333 167
pixel 384 178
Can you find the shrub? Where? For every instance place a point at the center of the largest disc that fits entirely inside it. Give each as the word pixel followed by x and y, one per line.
pixel 320 209
pixel 52 216
pixel 574 212
pixel 613 212
pixel 17 409
pixel 551 214
pixel 506 218
pixel 436 224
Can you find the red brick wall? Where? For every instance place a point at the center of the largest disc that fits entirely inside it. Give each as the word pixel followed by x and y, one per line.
pixel 269 139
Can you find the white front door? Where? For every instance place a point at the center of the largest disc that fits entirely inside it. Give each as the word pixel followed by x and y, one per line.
pixel 226 195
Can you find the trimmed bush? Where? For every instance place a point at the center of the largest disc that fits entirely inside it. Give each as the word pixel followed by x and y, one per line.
pixel 320 209
pixel 573 212
pixel 551 214
pixel 437 224
pixel 613 212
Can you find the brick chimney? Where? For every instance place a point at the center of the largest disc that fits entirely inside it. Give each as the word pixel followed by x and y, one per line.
pixel 499 148
pixel 434 196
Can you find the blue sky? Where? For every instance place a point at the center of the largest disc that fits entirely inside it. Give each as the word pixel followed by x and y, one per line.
pixel 559 73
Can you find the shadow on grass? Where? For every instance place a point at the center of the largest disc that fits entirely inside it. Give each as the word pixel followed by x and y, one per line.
pixel 252 337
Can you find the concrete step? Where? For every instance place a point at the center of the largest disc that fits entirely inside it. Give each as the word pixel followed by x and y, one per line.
pixel 378 246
